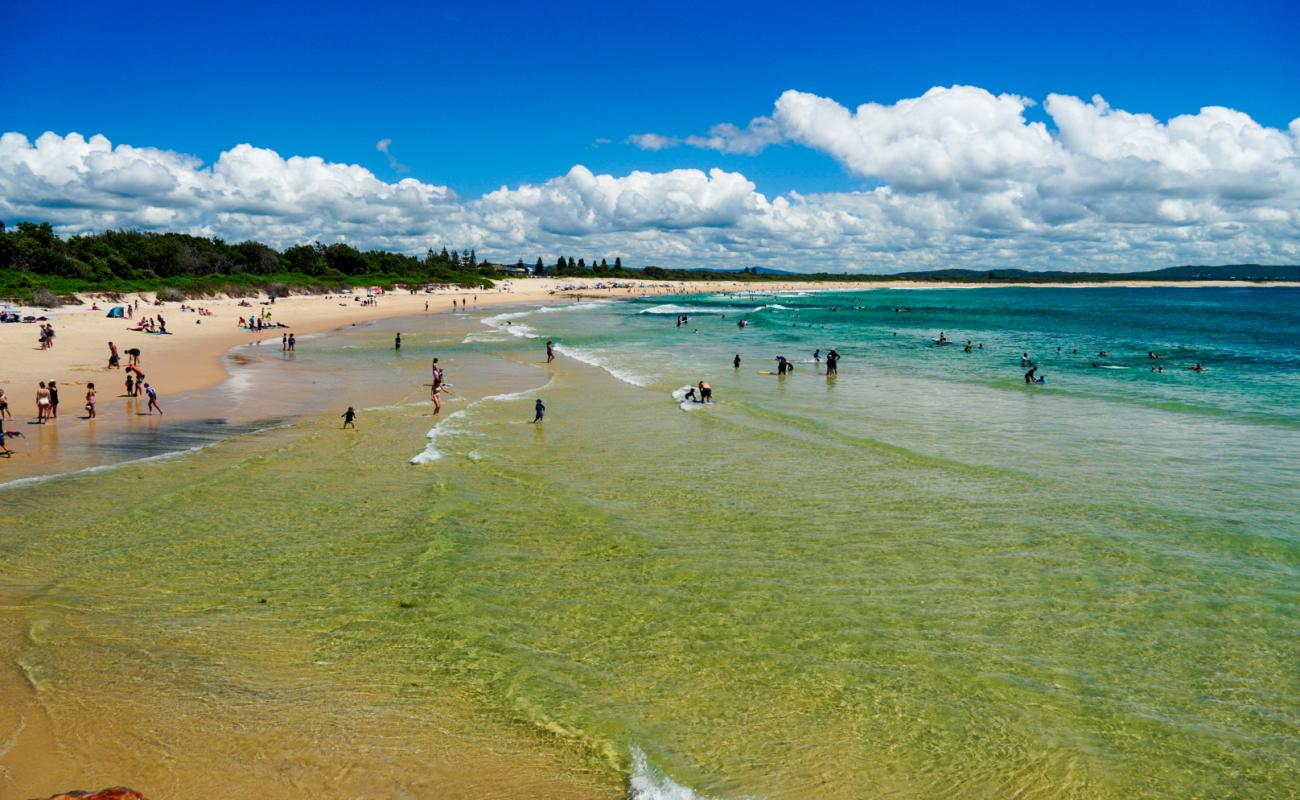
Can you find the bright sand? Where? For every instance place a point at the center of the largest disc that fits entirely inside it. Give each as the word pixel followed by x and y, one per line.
pixel 919 579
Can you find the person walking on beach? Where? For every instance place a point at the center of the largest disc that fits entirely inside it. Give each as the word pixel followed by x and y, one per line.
pixel 114 360
pixel 152 394
pixel 284 342
pixel 550 351
pixel 426 306
pixel 832 362
pixel 54 401
pixel 42 403
pixel 90 401
pixel 540 411
pixel 4 405
pixel 349 418
pixel 130 384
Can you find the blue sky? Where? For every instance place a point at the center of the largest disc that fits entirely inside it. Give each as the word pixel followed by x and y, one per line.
pixel 478 96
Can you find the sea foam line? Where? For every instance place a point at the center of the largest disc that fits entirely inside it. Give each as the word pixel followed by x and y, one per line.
pixel 648 783
pixel 34 479
pixel 498 322
pixel 592 358
pixel 431 453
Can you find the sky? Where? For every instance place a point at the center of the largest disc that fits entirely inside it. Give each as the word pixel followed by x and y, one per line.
pixel 809 136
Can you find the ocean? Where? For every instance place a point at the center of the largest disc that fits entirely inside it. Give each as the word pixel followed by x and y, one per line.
pixel 919 578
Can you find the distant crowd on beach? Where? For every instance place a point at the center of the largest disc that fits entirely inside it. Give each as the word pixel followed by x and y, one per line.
pixel 47 397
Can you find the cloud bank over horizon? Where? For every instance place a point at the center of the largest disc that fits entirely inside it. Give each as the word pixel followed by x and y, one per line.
pixel 958 177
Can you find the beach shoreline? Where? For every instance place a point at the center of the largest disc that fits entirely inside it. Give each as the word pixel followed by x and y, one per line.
pixel 192 357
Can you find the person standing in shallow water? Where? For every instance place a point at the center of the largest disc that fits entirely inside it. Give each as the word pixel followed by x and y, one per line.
pixel 832 362
pixel 397 341
pixel 90 401
pixel 349 418
pixel 736 361
pixel 42 403
pixel 152 394
pixel 550 351
pixel 540 411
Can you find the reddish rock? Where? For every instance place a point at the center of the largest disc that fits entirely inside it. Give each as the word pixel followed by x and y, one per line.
pixel 116 793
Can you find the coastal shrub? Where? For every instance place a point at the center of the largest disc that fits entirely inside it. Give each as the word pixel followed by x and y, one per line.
pixel 167 294
pixel 45 299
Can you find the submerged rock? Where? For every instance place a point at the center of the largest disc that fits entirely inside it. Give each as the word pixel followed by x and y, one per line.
pixel 116 793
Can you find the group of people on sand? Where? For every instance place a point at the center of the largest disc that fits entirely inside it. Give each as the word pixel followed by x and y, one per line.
pixel 151 325
pixel 47 336
pixel 47 395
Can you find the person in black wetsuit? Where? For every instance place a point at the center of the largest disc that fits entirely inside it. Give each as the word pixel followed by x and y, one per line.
pixel 736 362
pixel 540 410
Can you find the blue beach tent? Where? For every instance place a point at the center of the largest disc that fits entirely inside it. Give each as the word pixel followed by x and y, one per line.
pixel 116 312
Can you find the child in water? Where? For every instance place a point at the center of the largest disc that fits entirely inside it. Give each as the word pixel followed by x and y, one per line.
pixel 541 411
pixel 349 418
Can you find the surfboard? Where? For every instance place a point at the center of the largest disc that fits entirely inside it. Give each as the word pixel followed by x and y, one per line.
pixel 765 372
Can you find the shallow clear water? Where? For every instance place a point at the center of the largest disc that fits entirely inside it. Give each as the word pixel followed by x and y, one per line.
pixel 921 578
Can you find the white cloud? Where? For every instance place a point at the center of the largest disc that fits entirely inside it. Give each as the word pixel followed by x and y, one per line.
pixel 967 181
pixel 653 141
pixel 385 146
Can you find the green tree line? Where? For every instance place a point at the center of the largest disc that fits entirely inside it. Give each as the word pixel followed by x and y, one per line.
pixel 33 259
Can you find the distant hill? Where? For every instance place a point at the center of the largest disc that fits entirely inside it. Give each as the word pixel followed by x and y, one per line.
pixel 1229 272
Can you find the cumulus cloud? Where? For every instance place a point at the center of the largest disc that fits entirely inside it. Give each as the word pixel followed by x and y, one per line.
pixel 962 178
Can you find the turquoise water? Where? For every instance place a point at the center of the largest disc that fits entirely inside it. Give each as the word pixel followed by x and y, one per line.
pixel 921 578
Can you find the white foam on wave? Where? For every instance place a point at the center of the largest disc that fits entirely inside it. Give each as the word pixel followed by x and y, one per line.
pixel 483 338
pixel 648 783
pixel 776 306
pixel 671 308
pixel 499 321
pixel 130 462
pixel 451 425
pixel 431 453
pixel 574 306
pixel 593 358
pixel 686 405
pixel 517 395
pixel 103 467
